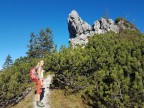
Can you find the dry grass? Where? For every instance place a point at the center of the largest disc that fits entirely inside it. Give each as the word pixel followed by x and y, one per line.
pixel 59 100
pixel 27 102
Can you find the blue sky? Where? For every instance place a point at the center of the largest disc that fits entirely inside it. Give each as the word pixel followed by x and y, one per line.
pixel 18 18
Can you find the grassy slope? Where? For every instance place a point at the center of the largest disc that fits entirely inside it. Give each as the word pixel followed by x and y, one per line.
pixel 59 100
pixel 27 102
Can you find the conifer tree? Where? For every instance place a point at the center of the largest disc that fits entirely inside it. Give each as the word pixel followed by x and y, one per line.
pixel 8 62
pixel 40 44
pixel 32 46
pixel 45 42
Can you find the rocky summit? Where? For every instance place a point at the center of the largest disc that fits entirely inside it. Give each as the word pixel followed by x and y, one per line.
pixel 80 30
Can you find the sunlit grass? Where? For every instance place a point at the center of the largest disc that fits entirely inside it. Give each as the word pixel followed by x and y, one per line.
pixel 27 102
pixel 59 100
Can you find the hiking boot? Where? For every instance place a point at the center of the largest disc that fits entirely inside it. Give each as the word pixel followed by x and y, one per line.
pixel 40 104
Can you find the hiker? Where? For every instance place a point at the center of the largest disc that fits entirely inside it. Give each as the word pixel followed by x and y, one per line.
pixel 41 71
pixel 39 82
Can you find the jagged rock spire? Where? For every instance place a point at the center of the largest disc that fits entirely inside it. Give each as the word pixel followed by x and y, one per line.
pixel 79 30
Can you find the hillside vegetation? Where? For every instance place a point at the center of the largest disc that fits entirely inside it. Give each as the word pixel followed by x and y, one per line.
pixel 107 73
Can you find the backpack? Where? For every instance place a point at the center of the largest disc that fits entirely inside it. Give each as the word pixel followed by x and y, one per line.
pixel 33 75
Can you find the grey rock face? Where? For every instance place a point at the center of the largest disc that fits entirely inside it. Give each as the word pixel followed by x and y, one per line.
pixel 77 26
pixel 80 30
